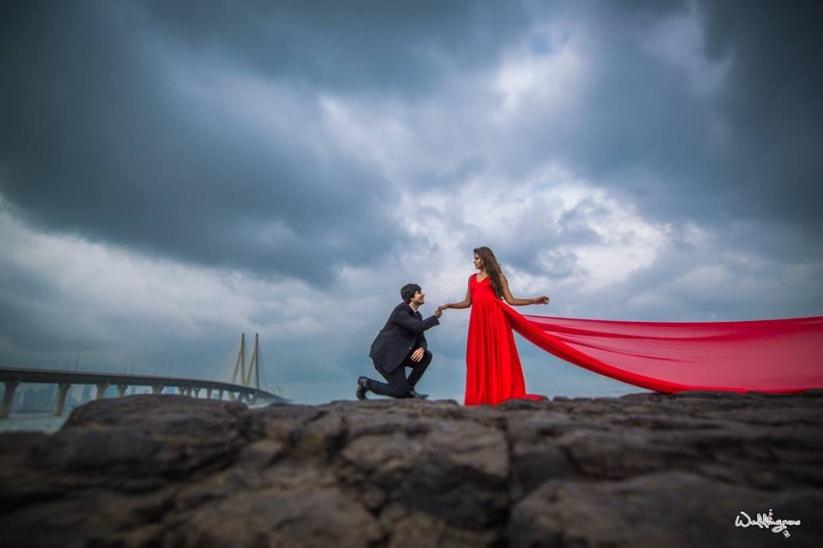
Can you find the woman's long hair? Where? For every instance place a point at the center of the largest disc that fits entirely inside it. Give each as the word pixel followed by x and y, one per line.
pixel 492 269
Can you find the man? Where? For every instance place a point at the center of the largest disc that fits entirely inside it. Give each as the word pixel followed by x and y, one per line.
pixel 401 344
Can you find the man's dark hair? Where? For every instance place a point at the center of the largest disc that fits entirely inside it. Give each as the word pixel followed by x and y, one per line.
pixel 408 291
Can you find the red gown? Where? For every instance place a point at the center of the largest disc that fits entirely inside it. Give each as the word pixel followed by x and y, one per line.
pixel 493 370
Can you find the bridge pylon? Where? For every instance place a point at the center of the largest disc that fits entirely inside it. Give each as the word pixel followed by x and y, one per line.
pixel 241 374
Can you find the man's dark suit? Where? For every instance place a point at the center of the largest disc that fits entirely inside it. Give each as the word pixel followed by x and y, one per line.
pixel 392 348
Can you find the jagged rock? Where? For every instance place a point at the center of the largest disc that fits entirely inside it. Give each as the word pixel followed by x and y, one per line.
pixel 671 509
pixel 136 437
pixel 643 469
pixel 312 516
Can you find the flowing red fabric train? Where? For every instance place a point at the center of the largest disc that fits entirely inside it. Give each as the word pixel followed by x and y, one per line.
pixel 771 356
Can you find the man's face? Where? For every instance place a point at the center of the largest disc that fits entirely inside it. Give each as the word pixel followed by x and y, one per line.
pixel 419 298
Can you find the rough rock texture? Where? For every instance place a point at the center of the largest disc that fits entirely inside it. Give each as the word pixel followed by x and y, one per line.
pixel 641 470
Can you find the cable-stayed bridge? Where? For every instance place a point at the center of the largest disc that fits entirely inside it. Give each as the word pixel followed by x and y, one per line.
pixel 243 384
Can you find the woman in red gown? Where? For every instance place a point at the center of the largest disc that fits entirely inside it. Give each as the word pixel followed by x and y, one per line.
pixel 493 370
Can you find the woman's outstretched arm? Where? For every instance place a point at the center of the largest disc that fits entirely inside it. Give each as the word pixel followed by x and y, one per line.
pixel 465 303
pixel 507 295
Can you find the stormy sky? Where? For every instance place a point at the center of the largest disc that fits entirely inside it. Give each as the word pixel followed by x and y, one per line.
pixel 175 173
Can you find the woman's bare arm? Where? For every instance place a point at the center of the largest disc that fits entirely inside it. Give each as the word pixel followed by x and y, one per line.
pixel 465 303
pixel 507 295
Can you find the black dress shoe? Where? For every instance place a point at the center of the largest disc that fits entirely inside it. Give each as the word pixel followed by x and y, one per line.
pixel 418 395
pixel 362 388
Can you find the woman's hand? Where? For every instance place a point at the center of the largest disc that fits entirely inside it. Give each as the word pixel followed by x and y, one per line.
pixel 541 300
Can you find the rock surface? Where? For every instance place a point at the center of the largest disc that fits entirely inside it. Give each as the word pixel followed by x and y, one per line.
pixel 641 470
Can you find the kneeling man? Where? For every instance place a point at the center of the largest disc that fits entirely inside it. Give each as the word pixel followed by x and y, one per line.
pixel 401 344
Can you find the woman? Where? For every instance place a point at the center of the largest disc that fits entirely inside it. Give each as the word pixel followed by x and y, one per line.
pixel 493 370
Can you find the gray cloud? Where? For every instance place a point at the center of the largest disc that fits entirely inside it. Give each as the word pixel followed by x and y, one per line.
pixel 105 145
pixel 764 164
pixel 368 47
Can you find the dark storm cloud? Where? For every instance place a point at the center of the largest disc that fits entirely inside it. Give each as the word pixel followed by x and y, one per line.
pixel 97 140
pixel 773 102
pixel 749 149
pixel 364 46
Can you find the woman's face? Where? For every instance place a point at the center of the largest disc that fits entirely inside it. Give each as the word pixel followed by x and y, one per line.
pixel 478 262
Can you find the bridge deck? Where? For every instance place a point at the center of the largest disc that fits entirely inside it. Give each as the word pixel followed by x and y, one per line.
pixel 12 376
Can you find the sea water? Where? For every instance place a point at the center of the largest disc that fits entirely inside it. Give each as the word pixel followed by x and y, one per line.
pixel 40 422
pixel 45 421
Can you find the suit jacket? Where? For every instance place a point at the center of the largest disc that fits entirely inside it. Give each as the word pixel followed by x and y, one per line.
pixel 403 332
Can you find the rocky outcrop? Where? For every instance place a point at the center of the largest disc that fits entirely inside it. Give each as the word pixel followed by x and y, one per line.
pixel 641 470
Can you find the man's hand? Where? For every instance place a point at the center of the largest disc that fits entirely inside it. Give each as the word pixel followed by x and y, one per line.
pixel 438 312
pixel 417 355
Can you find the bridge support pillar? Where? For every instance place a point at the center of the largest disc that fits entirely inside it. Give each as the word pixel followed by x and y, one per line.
pixel 121 389
pixel 220 394
pixel 208 393
pixel 62 391
pixel 101 390
pixel 157 389
pixel 195 391
pixel 8 398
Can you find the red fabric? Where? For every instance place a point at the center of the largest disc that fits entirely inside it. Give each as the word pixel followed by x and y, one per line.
pixel 493 370
pixel 774 356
